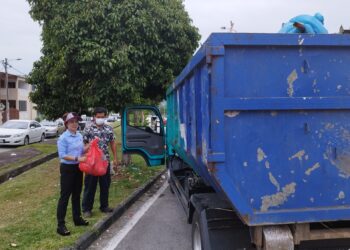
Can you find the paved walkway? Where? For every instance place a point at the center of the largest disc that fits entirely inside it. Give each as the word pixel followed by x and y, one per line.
pixel 17 154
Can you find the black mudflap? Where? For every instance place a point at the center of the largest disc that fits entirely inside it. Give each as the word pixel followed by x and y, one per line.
pixel 221 229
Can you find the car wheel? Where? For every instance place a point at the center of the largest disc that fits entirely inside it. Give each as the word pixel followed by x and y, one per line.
pixel 42 138
pixel 26 141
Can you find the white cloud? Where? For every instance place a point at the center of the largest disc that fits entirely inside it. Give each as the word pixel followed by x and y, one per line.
pixel 20 35
pixel 262 16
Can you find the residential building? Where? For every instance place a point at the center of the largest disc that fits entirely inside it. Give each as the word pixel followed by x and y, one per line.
pixel 18 94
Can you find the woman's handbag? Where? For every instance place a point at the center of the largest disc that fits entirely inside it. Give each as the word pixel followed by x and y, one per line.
pixel 95 163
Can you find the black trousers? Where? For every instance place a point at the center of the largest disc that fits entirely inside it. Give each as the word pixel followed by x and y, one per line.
pixel 71 184
pixel 90 185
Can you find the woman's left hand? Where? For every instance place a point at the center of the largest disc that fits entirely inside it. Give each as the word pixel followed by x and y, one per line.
pixel 82 158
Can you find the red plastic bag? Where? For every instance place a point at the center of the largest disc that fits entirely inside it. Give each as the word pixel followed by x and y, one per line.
pixel 95 163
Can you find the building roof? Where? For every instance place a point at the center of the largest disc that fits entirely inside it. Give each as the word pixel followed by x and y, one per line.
pixel 11 76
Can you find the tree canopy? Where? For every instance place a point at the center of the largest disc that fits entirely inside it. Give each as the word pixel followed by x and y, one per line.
pixel 108 52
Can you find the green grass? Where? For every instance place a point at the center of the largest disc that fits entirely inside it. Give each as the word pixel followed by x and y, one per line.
pixel 28 204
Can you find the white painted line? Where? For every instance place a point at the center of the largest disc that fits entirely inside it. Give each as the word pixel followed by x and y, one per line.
pixel 114 242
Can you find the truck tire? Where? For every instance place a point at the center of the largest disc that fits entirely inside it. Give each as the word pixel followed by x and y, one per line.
pixel 197 239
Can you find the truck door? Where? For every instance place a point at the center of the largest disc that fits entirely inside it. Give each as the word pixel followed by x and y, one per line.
pixel 143 134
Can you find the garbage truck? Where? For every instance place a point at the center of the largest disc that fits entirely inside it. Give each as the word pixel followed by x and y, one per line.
pixel 257 141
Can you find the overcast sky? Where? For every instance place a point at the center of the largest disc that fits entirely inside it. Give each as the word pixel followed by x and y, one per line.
pixel 20 36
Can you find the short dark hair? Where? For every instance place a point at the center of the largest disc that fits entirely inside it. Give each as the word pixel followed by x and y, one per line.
pixel 100 110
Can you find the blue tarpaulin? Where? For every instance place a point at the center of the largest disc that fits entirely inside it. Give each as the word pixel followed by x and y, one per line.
pixel 305 24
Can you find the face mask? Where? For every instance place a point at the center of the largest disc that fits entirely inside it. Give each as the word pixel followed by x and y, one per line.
pixel 100 121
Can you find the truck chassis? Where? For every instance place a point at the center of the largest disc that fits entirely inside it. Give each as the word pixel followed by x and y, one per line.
pixel 216 225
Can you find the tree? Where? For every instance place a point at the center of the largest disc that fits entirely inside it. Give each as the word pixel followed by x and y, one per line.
pixel 108 52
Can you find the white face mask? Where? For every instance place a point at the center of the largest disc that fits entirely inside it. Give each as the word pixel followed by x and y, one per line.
pixel 100 121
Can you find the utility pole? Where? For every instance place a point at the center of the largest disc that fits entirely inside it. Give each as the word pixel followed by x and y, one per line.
pixel 7 90
pixel 6 64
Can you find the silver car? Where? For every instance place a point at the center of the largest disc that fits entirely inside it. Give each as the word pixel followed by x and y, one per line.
pixel 53 129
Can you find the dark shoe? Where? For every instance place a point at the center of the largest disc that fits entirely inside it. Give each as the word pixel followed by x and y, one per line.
pixel 62 230
pixel 87 214
pixel 106 210
pixel 81 222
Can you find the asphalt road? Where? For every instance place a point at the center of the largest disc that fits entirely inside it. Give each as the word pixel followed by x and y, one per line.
pixel 161 226
pixel 7 148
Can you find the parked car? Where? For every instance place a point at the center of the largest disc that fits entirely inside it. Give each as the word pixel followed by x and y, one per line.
pixel 116 116
pixel 21 132
pixel 111 119
pixel 85 122
pixel 53 128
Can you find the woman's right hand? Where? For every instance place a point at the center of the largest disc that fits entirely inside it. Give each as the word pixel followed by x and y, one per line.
pixel 87 147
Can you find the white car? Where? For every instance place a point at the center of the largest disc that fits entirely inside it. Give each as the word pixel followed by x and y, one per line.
pixel 53 128
pixel 21 132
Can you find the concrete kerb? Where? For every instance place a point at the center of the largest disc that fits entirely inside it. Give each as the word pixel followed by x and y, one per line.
pixel 15 172
pixel 88 238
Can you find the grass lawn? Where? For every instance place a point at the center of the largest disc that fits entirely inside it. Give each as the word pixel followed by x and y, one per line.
pixel 28 204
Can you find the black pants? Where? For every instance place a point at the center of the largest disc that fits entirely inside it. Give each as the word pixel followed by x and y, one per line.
pixel 71 184
pixel 90 185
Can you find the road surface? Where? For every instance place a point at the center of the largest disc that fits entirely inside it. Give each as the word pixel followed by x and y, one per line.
pixel 5 148
pixel 156 222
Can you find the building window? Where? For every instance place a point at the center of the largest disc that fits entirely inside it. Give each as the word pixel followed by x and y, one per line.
pixel 22 85
pixel 22 105
pixel 12 85
pixel 12 103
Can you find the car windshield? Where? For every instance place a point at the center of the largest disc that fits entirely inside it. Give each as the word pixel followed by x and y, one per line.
pixel 15 125
pixel 48 124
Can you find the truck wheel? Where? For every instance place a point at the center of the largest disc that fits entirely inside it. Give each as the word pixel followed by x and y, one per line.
pixel 197 241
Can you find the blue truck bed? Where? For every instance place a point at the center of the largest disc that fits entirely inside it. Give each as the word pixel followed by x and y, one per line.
pixel 264 119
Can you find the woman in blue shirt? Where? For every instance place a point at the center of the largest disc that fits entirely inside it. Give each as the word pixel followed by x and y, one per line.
pixel 70 151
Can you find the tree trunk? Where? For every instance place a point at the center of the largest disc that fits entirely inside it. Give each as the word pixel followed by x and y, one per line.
pixel 126 159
